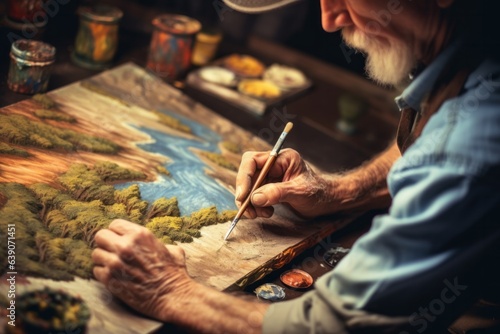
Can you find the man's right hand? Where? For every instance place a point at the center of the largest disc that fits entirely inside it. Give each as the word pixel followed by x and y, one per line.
pixel 290 181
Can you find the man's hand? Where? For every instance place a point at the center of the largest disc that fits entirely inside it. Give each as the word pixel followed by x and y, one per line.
pixel 290 181
pixel 137 268
pixel 293 182
pixel 152 278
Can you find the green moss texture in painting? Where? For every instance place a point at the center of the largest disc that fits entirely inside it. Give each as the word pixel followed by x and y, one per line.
pixel 171 122
pixel 109 171
pixel 8 149
pixel 45 101
pixel 19 130
pixel 219 160
pixel 163 170
pixel 54 115
pixel 56 224
pixel 231 147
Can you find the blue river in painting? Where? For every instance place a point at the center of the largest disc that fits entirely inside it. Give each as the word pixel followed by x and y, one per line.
pixel 188 182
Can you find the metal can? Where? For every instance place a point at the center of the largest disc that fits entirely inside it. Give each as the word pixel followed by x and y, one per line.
pixel 30 64
pixel 171 45
pixel 97 38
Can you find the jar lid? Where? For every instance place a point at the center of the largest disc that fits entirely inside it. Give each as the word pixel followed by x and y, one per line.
pixel 101 13
pixel 33 50
pixel 177 24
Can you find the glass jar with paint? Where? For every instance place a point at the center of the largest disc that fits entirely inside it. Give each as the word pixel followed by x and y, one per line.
pixel 97 38
pixel 205 47
pixel 26 18
pixel 24 10
pixel 30 64
pixel 171 45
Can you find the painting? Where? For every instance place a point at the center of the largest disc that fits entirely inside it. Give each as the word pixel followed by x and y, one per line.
pixel 123 144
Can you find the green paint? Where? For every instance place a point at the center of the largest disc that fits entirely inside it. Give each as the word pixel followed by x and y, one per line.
pixel 56 224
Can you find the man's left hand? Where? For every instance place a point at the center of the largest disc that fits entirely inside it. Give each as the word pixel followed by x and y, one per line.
pixel 140 270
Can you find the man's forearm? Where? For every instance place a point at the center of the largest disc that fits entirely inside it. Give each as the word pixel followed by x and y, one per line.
pixel 365 187
pixel 205 310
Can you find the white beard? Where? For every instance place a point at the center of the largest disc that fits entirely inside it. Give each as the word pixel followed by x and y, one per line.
pixel 388 63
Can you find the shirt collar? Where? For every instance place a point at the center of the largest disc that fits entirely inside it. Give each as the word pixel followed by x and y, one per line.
pixel 414 94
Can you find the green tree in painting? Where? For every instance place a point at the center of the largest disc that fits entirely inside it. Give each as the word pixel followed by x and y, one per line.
pixel 11 150
pixel 219 160
pixel 45 101
pixel 163 207
pixel 85 184
pixel 131 198
pixel 163 170
pixel 49 198
pixel 232 147
pixel 227 215
pixel 54 115
pixel 20 130
pixel 109 172
pixel 162 226
pixel 56 224
pixel 204 217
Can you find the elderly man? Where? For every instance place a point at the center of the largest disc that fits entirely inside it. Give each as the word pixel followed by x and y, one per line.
pixel 421 264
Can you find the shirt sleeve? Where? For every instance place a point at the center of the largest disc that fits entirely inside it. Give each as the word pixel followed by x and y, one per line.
pixel 321 312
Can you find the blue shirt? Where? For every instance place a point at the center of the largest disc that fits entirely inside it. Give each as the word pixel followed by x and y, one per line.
pixel 445 190
pixel 444 217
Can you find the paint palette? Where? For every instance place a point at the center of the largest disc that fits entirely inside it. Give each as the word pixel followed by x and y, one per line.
pixel 246 83
pixel 297 279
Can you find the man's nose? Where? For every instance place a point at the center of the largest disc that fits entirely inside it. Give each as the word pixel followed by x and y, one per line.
pixel 334 15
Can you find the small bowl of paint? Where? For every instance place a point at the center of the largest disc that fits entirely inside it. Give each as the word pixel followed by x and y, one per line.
pixel 297 279
pixel 270 291
pixel 334 255
pixel 218 75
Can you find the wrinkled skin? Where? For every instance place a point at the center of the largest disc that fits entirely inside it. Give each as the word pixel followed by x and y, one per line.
pixel 137 268
pixel 290 180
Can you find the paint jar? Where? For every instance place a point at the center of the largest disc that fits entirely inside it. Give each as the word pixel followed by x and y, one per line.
pixel 46 311
pixel 351 108
pixel 25 10
pixel 30 64
pixel 205 46
pixel 171 45
pixel 26 18
pixel 97 38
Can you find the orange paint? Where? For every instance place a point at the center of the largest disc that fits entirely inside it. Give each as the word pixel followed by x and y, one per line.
pixel 297 278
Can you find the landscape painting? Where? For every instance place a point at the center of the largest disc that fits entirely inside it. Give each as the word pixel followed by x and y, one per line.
pixel 123 144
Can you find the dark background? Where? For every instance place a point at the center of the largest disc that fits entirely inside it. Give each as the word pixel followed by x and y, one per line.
pixel 297 26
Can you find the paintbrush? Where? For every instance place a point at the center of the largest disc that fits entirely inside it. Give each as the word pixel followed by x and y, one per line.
pixel 263 173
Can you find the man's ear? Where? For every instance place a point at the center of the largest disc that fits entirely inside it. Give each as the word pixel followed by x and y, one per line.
pixel 445 3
